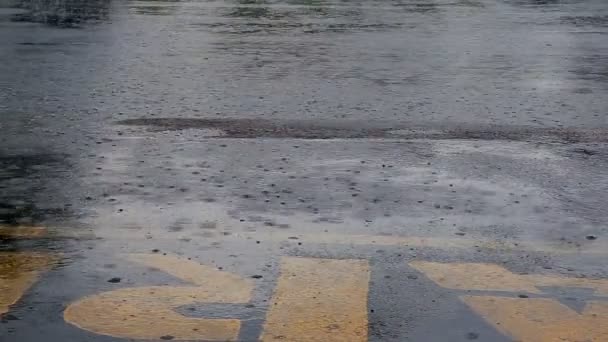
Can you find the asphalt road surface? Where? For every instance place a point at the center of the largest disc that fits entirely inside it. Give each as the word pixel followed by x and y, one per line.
pixel 304 170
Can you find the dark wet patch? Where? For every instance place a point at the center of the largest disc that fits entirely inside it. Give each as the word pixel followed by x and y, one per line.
pixel 472 336
pixel 19 165
pixel 9 317
pixel 39 44
pixel 595 20
pixel 249 129
pixel 279 27
pixel 591 68
pixel 179 225
pixel 63 13
pixel 245 128
pixel 470 3
pixel 208 225
pixel 253 12
pixel 154 10
pixel 17 212
pixel 583 91
pixel 534 2
pixel 585 151
pixel 347 27
pixel 27 213
pixel 22 177
pixel 420 7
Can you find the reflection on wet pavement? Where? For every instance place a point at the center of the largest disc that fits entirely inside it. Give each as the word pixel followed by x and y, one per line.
pixel 319 59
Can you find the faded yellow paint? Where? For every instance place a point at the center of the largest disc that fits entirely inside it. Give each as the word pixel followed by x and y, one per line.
pixel 483 277
pixel 149 312
pixel 21 232
pixel 599 285
pixel 18 272
pixel 524 319
pixel 214 281
pixel 491 277
pixel 542 320
pixel 422 242
pixel 319 300
pixel 596 248
pixel 379 240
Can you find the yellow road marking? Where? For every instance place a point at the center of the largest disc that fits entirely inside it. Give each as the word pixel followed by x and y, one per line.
pixel 21 232
pixel 483 277
pixel 18 272
pixel 319 300
pixel 599 285
pixel 486 277
pixel 441 242
pixel 214 281
pixel 524 319
pixel 420 242
pixel 542 320
pixel 148 312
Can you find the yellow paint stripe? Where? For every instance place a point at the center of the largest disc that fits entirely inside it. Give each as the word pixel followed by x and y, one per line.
pixel 18 272
pixel 21 232
pixel 468 276
pixel 599 285
pixel 542 319
pixel 491 277
pixel 319 300
pixel 149 312
pixel 221 284
pixel 382 240
pixel 524 319
pixel 420 242
pixel 597 248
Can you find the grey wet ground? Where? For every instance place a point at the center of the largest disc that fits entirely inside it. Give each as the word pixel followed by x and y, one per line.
pixel 240 132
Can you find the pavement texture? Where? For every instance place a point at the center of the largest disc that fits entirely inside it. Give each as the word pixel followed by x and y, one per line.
pixel 304 170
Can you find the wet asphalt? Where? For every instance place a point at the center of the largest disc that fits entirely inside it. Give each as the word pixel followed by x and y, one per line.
pixel 238 133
